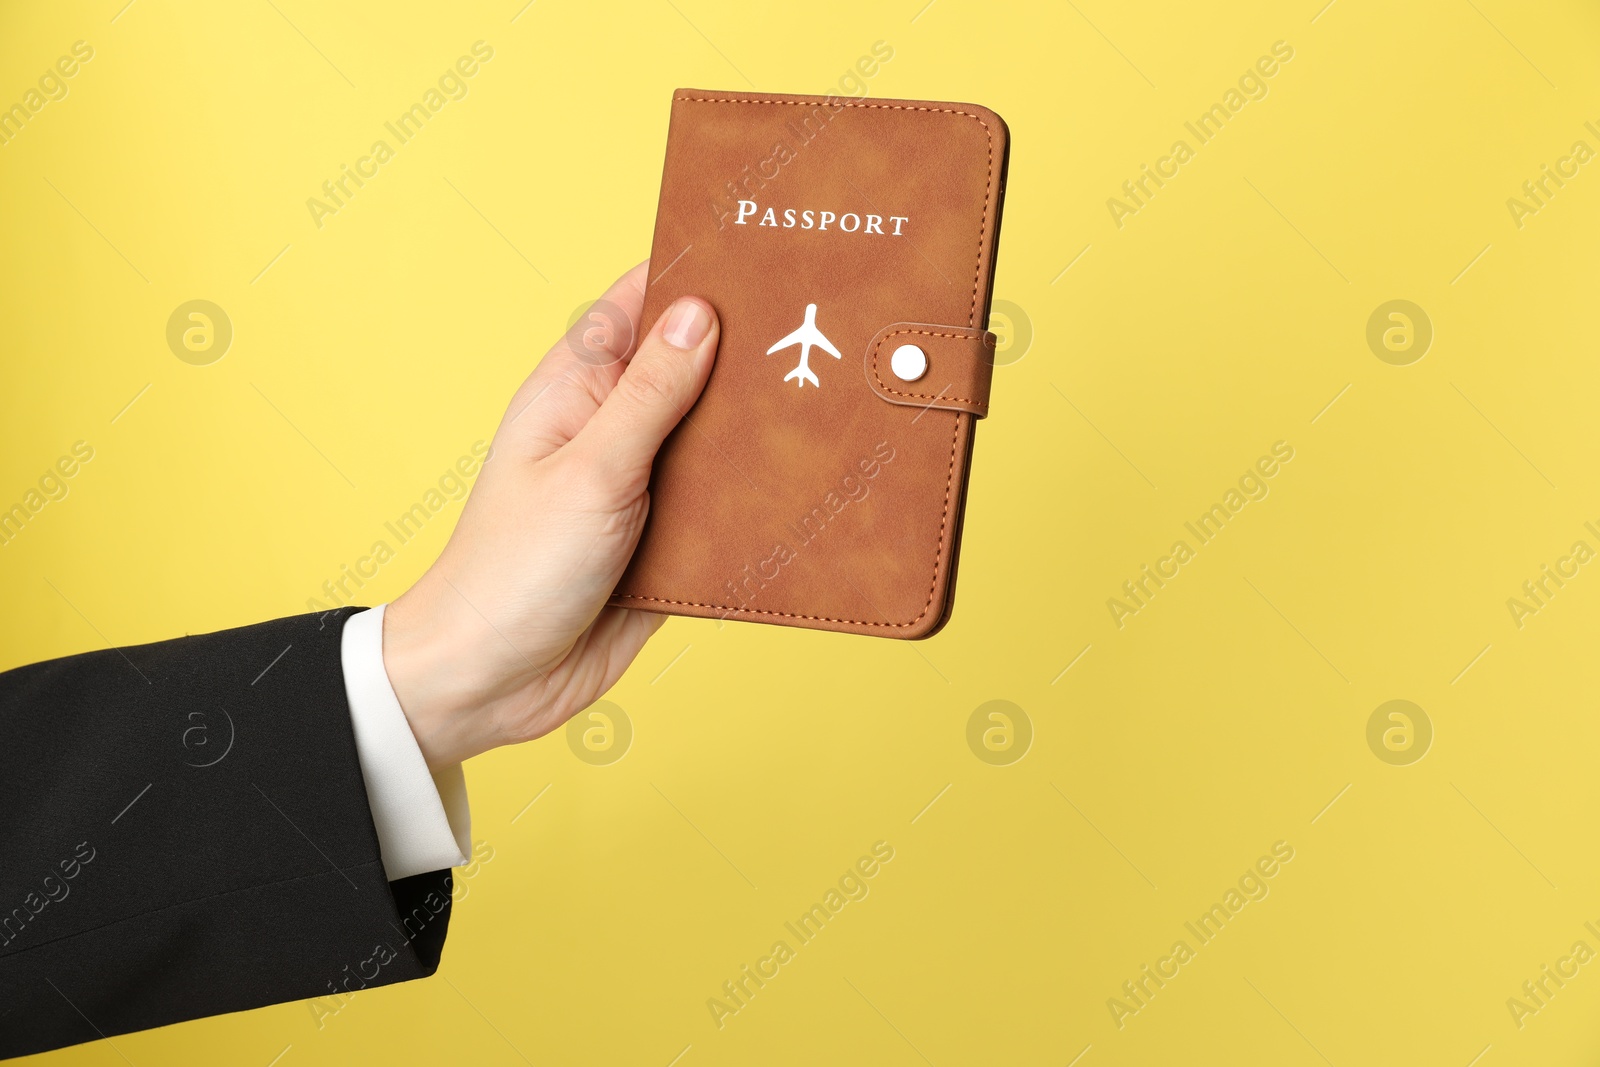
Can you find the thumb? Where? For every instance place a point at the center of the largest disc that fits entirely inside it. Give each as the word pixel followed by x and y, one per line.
pixel 662 381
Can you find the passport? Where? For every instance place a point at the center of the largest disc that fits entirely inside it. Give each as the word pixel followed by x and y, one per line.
pixel 848 247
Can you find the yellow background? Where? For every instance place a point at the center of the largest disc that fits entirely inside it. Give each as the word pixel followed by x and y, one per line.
pixel 1223 317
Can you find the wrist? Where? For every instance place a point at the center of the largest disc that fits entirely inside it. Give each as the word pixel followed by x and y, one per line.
pixel 431 671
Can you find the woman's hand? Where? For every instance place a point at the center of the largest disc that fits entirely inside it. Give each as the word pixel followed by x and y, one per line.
pixel 508 634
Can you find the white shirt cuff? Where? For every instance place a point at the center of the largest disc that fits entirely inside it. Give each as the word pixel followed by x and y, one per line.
pixel 422 819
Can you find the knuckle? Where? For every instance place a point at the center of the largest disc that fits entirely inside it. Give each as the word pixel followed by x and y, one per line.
pixel 576 480
pixel 597 478
pixel 651 381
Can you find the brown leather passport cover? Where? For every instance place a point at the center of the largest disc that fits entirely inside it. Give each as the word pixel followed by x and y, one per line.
pixel 811 485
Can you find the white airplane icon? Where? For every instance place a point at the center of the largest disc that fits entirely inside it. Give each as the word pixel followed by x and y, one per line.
pixel 806 336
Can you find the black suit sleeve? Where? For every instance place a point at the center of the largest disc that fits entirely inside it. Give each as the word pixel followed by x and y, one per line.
pixel 184 831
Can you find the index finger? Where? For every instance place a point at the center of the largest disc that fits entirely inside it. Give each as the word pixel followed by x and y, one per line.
pixel 606 333
pixel 580 370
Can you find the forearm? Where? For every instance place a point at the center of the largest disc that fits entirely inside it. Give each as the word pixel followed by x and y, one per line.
pixel 187 832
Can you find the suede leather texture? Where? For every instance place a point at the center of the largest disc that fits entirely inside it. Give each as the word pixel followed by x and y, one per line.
pixel 838 504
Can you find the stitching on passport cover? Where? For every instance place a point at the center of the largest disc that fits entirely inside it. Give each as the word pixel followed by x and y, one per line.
pixel 920 396
pixel 955 437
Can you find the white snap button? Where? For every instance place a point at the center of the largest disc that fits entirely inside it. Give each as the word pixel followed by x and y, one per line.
pixel 909 363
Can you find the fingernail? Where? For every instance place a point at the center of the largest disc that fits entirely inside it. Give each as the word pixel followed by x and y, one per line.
pixel 687 324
